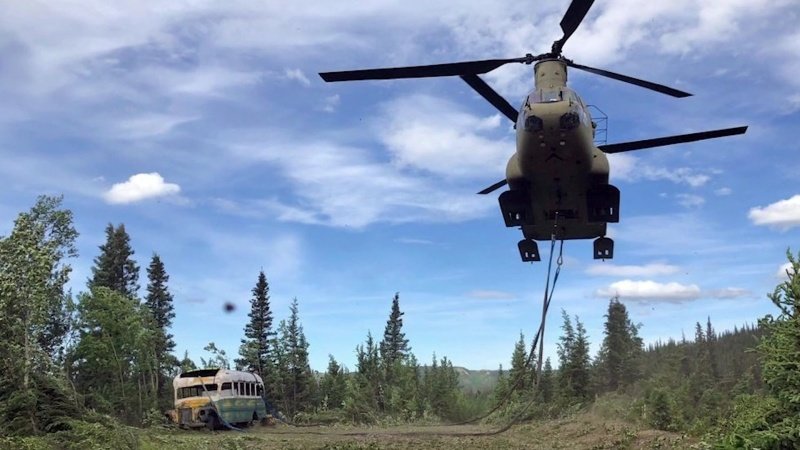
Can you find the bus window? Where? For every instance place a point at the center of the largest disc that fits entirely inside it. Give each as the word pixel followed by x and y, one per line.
pixel 260 390
pixel 196 391
pixel 226 386
pixel 249 388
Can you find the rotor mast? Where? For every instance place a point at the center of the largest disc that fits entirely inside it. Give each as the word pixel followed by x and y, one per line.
pixel 550 74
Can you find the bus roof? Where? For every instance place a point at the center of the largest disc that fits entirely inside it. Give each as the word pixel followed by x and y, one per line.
pixel 200 373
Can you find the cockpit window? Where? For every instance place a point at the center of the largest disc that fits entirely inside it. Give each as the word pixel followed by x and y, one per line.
pixel 546 96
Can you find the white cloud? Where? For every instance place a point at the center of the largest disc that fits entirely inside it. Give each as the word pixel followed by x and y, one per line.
pixel 646 270
pixel 723 191
pixel 629 168
pixel 491 295
pixel 783 214
pixel 297 75
pixel 690 200
pixel 140 187
pixel 330 103
pixel 415 241
pixel 438 136
pixel 646 291
pixel 343 186
pixel 146 126
pixel 727 293
pixel 784 271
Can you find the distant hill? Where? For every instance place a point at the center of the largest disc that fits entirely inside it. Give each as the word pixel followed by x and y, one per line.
pixel 477 380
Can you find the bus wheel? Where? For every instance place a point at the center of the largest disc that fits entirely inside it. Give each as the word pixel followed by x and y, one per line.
pixel 212 423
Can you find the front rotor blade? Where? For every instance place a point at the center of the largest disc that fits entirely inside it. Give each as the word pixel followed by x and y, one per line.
pixel 645 84
pixel 573 17
pixel 434 70
pixel 491 96
pixel 669 140
pixel 493 187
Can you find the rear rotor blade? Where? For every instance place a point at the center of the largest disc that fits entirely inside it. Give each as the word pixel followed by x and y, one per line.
pixel 491 96
pixel 645 84
pixel 493 187
pixel 669 140
pixel 572 19
pixel 434 70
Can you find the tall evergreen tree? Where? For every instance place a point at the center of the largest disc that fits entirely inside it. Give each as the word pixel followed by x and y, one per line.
pixel 711 338
pixel 369 379
pixel 115 268
pixel 297 386
pixel 394 346
pixel 159 302
pixel 546 384
pixel 579 363
pixel 520 376
pixel 255 349
pixel 573 354
pixel 619 358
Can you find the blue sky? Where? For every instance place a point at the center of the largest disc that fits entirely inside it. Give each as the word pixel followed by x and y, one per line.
pixel 204 128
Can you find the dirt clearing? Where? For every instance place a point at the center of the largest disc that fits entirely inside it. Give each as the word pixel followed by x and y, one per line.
pixel 582 432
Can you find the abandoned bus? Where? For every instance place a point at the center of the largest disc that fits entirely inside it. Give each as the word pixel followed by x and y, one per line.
pixel 213 397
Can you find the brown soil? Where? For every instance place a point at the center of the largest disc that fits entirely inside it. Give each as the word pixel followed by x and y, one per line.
pixel 582 432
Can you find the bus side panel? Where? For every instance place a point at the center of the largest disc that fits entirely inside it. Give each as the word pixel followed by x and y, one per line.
pixel 238 410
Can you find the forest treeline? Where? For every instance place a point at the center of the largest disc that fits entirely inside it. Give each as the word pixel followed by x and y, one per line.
pixel 106 354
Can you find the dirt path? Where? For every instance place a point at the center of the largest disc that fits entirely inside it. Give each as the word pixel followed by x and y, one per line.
pixel 583 432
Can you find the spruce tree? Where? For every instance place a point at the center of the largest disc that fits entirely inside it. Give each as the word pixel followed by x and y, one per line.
pixel 573 354
pixel 297 387
pixel 619 358
pixel 115 268
pixel 546 384
pixel 520 375
pixel 255 348
pixel 369 376
pixel 159 302
pixel 780 353
pixel 579 363
pixel 333 385
pixel 394 346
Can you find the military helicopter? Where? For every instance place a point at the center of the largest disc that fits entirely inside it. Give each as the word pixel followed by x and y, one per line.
pixel 557 178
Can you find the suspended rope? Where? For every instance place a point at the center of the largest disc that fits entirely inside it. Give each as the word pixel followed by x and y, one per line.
pixel 538 339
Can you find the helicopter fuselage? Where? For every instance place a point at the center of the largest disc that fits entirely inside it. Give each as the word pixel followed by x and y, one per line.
pixel 557 169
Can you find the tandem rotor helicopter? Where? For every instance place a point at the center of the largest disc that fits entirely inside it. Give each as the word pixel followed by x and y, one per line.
pixel 558 177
